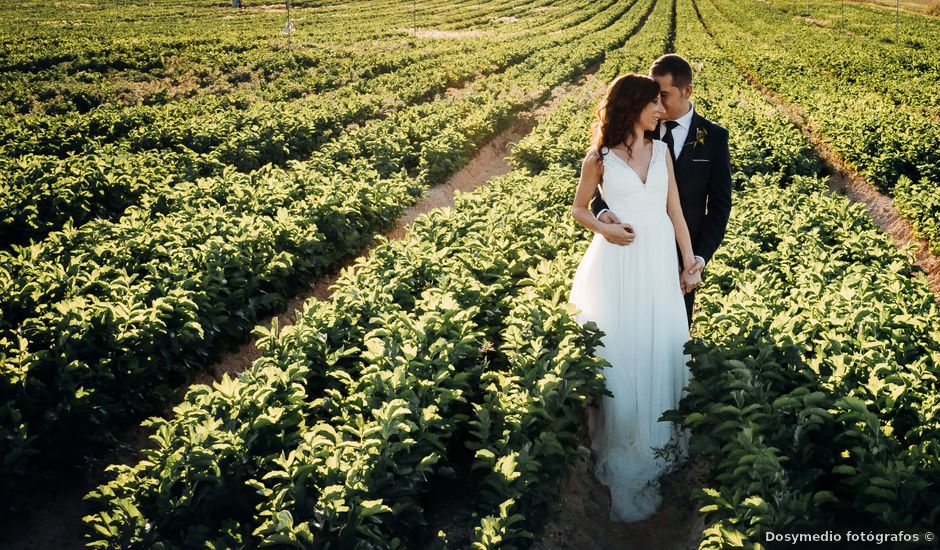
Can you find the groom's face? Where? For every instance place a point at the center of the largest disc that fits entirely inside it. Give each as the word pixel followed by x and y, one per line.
pixel 675 100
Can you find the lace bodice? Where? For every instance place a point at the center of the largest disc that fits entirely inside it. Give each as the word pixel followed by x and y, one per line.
pixel 626 194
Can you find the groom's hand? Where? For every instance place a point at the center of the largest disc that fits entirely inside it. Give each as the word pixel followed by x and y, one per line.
pixel 618 233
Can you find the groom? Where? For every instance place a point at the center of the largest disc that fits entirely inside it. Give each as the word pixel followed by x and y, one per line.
pixel 702 163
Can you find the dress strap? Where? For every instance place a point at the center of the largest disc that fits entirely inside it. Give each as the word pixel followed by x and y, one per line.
pixel 662 149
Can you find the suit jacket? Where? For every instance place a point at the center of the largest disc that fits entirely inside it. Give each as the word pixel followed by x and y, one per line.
pixel 703 178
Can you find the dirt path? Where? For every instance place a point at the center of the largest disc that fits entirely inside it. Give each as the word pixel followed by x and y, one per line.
pixel 582 521
pixel 57 525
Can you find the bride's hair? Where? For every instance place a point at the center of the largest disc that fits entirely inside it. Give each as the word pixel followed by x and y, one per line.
pixel 618 110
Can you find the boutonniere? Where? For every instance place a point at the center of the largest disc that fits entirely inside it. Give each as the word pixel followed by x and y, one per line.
pixel 700 135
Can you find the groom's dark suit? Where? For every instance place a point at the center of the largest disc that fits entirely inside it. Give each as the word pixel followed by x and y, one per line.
pixel 703 177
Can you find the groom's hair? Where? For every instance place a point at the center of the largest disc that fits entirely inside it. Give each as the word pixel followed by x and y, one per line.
pixel 675 65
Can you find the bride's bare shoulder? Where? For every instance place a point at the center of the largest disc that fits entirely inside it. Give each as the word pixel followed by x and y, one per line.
pixel 592 166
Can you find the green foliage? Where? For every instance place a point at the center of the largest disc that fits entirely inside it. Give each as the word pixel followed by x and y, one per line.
pixel 452 354
pixel 871 101
pixel 69 169
pixel 457 338
pixel 99 321
pixel 920 204
pixel 335 433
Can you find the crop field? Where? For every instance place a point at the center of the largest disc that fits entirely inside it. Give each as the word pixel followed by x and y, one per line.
pixel 174 173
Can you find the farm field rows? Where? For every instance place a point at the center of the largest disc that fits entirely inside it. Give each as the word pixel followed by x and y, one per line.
pixel 867 20
pixel 99 322
pixel 448 362
pixel 874 103
pixel 109 56
pixel 65 170
pixel 497 412
pixel 826 337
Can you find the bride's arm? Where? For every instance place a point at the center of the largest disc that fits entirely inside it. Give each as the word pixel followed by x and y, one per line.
pixel 591 170
pixel 674 210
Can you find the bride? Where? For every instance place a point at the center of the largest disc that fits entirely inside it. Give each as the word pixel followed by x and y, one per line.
pixel 634 293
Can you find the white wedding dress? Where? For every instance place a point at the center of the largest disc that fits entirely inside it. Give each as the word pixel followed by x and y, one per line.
pixel 632 292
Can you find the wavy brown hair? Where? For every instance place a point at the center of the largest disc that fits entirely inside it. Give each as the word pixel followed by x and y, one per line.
pixel 618 110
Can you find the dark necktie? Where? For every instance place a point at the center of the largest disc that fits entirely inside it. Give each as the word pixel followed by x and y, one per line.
pixel 668 139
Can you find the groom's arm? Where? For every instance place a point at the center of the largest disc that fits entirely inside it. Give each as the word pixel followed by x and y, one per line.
pixel 719 200
pixel 598 206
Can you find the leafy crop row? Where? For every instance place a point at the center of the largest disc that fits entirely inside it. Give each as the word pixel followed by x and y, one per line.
pixel 902 29
pixel 361 409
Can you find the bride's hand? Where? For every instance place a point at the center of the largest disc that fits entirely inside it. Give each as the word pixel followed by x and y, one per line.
pixel 609 217
pixel 618 233
pixel 690 279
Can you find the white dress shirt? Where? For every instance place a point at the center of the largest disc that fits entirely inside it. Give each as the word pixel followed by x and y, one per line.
pixel 679 135
pixel 680 132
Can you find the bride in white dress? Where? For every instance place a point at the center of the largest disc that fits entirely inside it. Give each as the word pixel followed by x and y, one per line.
pixel 633 292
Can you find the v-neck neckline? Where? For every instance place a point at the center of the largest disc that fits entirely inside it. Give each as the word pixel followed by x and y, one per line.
pixel 627 164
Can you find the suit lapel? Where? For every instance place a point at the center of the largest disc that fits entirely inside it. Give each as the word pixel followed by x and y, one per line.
pixel 685 159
